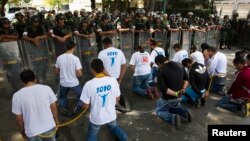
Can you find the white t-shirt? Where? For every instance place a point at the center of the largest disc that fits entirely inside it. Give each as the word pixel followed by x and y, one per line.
pixel 112 59
pixel 218 64
pixel 198 57
pixel 34 104
pixel 141 61
pixel 180 55
pixel 157 51
pixel 101 94
pixel 68 64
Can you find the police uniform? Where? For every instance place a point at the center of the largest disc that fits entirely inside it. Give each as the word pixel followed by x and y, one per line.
pixel 225 29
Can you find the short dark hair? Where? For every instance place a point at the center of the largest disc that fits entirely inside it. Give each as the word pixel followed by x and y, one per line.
pixel 140 49
pixel 97 65
pixel 152 42
pixel 186 61
pixel 212 49
pixel 70 45
pixel 194 48
pixel 204 46
pixel 107 41
pixel 248 57
pixel 177 46
pixel 160 59
pixel 239 54
pixel 239 60
pixel 27 76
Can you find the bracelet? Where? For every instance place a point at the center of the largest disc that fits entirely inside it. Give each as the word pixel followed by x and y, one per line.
pixel 176 94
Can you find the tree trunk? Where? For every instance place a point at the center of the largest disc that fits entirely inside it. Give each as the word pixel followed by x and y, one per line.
pixel 149 5
pixel 2 4
pixel 93 4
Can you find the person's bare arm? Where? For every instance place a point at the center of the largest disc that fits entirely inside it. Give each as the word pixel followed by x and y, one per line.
pixel 117 99
pixel 85 106
pixel 123 70
pixel 132 67
pixel 172 92
pixel 53 108
pixel 57 71
pixel 20 124
pixel 79 73
pixel 111 32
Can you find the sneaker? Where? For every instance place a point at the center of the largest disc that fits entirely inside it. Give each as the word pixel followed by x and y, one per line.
pixel 150 94
pixel 177 122
pixel 155 92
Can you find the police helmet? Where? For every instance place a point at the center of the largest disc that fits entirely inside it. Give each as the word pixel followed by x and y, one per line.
pixel 157 17
pixel 68 14
pixel 172 16
pixel 236 14
pixel 4 20
pixel 201 20
pixel 105 16
pixel 211 16
pixel 178 15
pixel 184 20
pixel 140 11
pixel 190 13
pixel 226 16
pixel 34 18
pixel 59 16
pixel 84 20
pixel 124 15
pixel 40 15
pixel 18 13
pixel 196 18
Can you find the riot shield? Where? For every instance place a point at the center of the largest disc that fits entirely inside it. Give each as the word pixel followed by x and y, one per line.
pixel 87 51
pixel 57 47
pixel 199 38
pixel 143 38
pixel 186 40
pixel 174 38
pixel 211 38
pixel 127 44
pixel 38 58
pixel 161 38
pixel 11 65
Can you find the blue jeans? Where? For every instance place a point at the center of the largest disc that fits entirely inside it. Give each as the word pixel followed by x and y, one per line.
pixel 93 131
pixel 190 95
pixel 140 84
pixel 218 84
pixel 167 109
pixel 226 104
pixel 37 138
pixel 154 71
pixel 62 99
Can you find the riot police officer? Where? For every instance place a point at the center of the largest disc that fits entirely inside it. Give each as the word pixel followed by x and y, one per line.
pixel 150 20
pixel 158 25
pixel 234 29
pixel 140 24
pixel 190 18
pixel 84 30
pixel 7 33
pixel 184 24
pixel 105 28
pixel 76 18
pixel 125 24
pixel 225 29
pixel 69 21
pixel 173 25
pixel 178 19
pixel 19 23
pixel 61 33
pixel 35 31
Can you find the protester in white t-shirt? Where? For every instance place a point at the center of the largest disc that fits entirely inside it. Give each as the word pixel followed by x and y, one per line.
pixel 69 67
pixel 196 55
pixel 180 53
pixel 113 59
pixel 35 108
pixel 140 63
pixel 155 52
pixel 101 94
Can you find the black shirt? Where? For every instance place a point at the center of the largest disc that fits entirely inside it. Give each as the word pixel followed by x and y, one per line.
pixel 10 32
pixel 34 32
pixel 198 79
pixel 61 30
pixel 172 76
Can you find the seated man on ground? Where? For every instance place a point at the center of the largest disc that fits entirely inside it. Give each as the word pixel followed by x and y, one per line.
pixel 240 89
pixel 199 82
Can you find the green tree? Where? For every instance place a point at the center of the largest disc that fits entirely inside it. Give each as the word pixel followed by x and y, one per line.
pixel 54 3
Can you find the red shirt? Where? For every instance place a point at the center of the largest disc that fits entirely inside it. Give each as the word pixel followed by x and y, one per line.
pixel 241 85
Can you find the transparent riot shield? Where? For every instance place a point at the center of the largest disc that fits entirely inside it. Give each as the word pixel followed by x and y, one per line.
pixel 11 65
pixel 143 38
pixel 174 38
pixel 211 37
pixel 199 38
pixel 38 59
pixel 186 40
pixel 127 44
pixel 86 51
pixel 161 38
pixel 57 48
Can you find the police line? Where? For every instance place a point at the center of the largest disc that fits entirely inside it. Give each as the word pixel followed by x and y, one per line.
pixel 16 56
